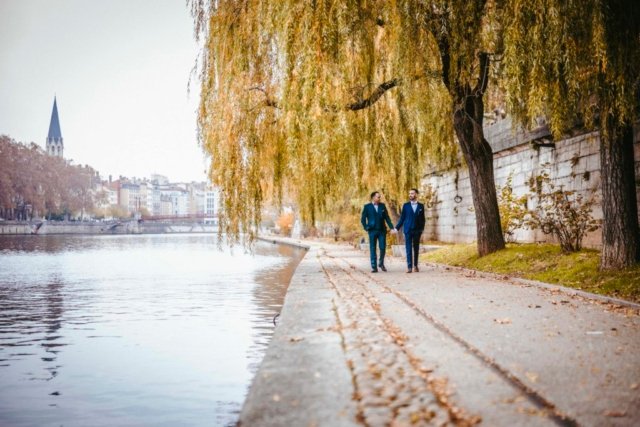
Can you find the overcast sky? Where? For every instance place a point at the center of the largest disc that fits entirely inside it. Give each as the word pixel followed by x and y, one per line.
pixel 120 70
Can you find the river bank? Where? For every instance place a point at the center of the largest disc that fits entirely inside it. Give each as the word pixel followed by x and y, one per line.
pixel 98 227
pixel 441 346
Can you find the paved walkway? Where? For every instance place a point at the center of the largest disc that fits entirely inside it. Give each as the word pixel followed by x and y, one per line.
pixel 441 347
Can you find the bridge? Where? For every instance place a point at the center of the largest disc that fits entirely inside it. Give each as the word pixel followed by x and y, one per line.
pixel 198 217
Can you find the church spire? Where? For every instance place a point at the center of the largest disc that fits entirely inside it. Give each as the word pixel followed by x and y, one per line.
pixel 55 145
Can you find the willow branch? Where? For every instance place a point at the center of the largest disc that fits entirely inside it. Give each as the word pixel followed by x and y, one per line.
pixel 443 47
pixel 438 24
pixel 354 106
pixel 375 95
pixel 383 88
pixel 361 103
pixel 483 79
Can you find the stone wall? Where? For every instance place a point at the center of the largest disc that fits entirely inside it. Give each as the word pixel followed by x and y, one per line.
pixel 64 227
pixel 124 227
pixel 573 163
pixel 8 227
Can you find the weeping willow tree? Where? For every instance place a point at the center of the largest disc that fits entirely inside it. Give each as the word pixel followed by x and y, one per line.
pixel 579 63
pixel 317 99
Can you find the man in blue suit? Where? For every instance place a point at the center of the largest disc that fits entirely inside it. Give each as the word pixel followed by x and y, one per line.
pixel 412 220
pixel 374 216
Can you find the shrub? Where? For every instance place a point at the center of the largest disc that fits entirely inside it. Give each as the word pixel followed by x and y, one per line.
pixel 429 196
pixel 564 214
pixel 347 227
pixel 513 209
pixel 285 223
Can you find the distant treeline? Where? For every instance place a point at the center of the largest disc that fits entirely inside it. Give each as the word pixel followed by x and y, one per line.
pixel 35 184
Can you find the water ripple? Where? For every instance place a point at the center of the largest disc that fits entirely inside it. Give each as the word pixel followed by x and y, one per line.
pixel 135 330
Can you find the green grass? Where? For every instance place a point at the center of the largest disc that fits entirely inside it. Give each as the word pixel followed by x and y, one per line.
pixel 546 263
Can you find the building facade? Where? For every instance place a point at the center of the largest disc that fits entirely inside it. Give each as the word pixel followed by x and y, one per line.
pixel 211 205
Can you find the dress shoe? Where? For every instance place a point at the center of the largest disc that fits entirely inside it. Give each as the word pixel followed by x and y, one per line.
pixel 383 268
pixel 374 270
pixel 416 269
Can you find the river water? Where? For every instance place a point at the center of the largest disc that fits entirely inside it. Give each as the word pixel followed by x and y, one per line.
pixel 124 330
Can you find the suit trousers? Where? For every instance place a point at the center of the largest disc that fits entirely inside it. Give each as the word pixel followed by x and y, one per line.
pixel 379 236
pixel 412 246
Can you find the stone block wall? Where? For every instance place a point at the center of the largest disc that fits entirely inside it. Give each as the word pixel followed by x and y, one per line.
pixel 125 227
pixel 573 163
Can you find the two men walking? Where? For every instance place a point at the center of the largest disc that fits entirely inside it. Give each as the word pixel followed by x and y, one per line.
pixel 374 219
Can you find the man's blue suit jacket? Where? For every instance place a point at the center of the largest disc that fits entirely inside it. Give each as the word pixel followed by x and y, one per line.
pixel 375 221
pixel 410 221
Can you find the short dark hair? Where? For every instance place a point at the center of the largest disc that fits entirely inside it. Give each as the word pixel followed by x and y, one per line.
pixel 373 194
pixel 415 189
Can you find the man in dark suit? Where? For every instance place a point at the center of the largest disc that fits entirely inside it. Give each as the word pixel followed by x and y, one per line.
pixel 374 216
pixel 412 220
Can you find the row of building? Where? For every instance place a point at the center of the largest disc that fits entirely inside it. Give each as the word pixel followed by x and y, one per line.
pixel 149 197
pixel 158 198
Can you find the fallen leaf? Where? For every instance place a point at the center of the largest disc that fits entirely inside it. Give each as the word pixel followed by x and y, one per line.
pixel 615 413
pixel 532 376
pixel 504 321
pixel 296 339
pixel 514 399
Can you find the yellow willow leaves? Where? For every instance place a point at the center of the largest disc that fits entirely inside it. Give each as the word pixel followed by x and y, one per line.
pixel 572 61
pixel 278 78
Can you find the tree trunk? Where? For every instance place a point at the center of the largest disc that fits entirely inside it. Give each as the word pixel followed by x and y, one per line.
pixel 467 122
pixel 620 232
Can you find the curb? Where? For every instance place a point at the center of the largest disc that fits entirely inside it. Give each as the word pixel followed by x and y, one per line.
pixel 304 367
pixel 284 241
pixel 563 289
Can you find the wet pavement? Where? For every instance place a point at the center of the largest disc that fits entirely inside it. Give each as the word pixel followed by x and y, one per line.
pixel 442 347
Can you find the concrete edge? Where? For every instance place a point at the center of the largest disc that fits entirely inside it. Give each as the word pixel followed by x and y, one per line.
pixel 304 377
pixel 549 286
pixel 284 241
